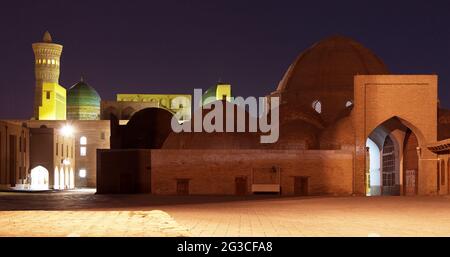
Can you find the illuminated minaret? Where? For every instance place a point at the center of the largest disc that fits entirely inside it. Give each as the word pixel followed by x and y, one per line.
pixel 50 97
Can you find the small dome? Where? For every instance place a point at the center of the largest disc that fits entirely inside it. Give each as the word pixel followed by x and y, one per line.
pixel 83 102
pixel 147 129
pixel 216 93
pixel 82 94
pixel 210 95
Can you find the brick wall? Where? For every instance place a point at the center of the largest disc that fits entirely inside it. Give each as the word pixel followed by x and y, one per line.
pixel 214 171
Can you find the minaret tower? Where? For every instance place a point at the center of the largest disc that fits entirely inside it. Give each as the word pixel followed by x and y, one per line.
pixel 50 97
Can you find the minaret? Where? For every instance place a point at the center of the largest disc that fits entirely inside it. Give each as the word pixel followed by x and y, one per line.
pixel 47 61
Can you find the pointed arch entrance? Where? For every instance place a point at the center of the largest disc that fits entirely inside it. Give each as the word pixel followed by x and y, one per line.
pixel 393 163
pixel 411 98
pixel 39 178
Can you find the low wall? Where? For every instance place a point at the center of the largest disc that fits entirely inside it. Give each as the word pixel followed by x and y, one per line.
pixel 123 171
pixel 215 171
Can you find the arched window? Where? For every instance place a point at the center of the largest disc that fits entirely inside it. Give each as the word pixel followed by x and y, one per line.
pixel 83 140
pixel 82 173
pixel 388 165
pixel 83 151
pixel 317 106
pixel 348 103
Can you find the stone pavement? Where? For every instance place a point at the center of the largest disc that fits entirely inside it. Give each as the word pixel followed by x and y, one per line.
pixel 86 214
pixel 349 216
pixel 89 223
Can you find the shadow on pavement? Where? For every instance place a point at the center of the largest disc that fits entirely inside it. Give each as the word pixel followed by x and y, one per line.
pixel 87 199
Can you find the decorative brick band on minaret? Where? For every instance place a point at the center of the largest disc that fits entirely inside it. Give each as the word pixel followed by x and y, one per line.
pixel 47 62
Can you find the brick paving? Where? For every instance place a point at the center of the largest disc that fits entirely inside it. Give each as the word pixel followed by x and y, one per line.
pixel 86 214
pixel 381 216
pixel 89 223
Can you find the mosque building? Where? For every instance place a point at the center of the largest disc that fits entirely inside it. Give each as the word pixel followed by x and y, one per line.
pixel 126 105
pixel 347 127
pixel 58 145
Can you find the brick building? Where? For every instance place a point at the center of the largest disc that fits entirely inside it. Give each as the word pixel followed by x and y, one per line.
pixel 14 157
pixel 347 127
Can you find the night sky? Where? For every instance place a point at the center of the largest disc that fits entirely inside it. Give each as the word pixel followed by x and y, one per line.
pixel 175 46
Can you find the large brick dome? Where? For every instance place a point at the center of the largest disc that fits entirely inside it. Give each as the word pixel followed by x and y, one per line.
pixel 324 73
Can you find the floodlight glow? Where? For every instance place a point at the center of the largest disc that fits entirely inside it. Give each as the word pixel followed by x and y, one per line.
pixel 67 130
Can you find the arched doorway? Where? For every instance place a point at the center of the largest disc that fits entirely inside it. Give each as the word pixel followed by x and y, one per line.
pixel 393 149
pixel 39 178
pixel 410 164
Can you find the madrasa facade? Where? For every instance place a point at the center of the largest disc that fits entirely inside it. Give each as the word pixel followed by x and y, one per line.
pixel 347 126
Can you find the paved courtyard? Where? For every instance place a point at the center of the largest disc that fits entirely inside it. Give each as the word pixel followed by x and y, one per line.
pixel 82 213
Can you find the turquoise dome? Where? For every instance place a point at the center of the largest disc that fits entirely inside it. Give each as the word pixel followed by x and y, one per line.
pixel 83 102
pixel 81 94
pixel 210 95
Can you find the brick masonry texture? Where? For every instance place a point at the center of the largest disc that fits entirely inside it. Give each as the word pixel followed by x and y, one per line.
pixel 214 171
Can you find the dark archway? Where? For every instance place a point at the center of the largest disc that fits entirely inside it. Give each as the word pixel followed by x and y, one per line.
pixel 147 129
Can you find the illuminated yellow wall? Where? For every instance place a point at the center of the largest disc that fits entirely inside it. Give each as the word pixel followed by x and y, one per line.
pixel 47 64
pixel 217 93
pixel 53 105
pixel 223 90
pixel 180 103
